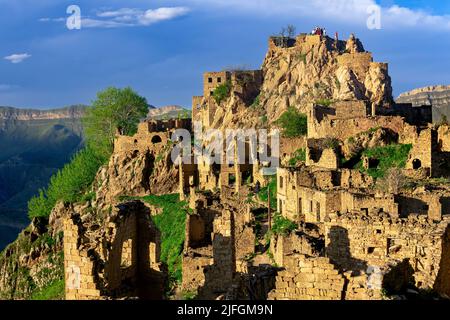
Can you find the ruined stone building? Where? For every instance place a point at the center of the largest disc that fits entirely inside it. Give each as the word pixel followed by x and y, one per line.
pixel 114 258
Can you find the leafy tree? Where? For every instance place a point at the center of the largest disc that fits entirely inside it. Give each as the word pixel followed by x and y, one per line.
pixel 114 110
pixel 293 123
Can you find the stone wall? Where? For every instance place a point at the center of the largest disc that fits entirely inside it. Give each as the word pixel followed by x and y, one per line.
pixel 444 138
pixel 308 278
pixel 113 259
pixel 320 126
pixel 211 80
pixel 356 242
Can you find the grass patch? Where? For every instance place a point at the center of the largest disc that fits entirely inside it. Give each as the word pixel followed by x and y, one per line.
pixel 391 156
pixel 302 57
pixel 54 291
pixel 299 155
pixel 171 223
pixel 69 184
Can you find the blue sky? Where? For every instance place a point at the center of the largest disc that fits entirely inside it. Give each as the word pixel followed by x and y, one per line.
pixel 162 53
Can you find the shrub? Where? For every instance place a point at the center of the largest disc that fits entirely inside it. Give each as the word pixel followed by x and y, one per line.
pixel 282 225
pixel 293 123
pixel 222 92
pixel 256 102
pixel 264 119
pixel 324 102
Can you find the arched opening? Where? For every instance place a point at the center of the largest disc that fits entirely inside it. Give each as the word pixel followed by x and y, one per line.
pixel 417 164
pixel 156 139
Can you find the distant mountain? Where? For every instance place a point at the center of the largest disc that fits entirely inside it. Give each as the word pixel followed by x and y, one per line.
pixel 34 144
pixel 72 112
pixel 169 112
pixel 436 96
pixel 433 95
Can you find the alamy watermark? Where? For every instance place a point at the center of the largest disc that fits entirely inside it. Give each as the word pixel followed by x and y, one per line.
pixel 374 19
pixel 73 22
pixel 230 146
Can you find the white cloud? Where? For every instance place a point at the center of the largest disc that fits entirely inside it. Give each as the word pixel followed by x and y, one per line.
pixel 119 13
pixel 347 11
pixel 95 23
pixel 17 57
pixel 161 14
pixel 128 17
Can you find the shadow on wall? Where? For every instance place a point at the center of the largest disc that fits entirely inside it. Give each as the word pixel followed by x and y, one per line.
pixel 409 206
pixel 133 266
pixel 338 250
pixel 399 278
pixel 219 275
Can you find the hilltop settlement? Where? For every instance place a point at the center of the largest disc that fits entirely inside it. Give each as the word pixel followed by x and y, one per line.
pixel 357 208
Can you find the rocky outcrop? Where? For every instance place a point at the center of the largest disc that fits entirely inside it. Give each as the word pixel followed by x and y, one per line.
pixel 312 69
pixel 316 70
pixel 135 173
pixel 34 261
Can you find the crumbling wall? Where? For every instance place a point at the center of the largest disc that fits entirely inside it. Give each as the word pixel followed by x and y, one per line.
pixel 211 80
pixel 114 258
pixel 357 242
pixel 343 129
pixel 80 278
pixel 328 158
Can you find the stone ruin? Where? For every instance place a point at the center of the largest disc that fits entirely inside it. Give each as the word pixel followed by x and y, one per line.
pixel 352 240
pixel 112 259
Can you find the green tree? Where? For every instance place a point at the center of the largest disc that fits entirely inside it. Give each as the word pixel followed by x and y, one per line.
pixel 114 110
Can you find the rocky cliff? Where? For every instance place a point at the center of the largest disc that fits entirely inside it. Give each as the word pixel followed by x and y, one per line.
pixel 32 266
pixel 10 113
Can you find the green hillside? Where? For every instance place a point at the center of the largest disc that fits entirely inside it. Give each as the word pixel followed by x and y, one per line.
pixel 30 152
